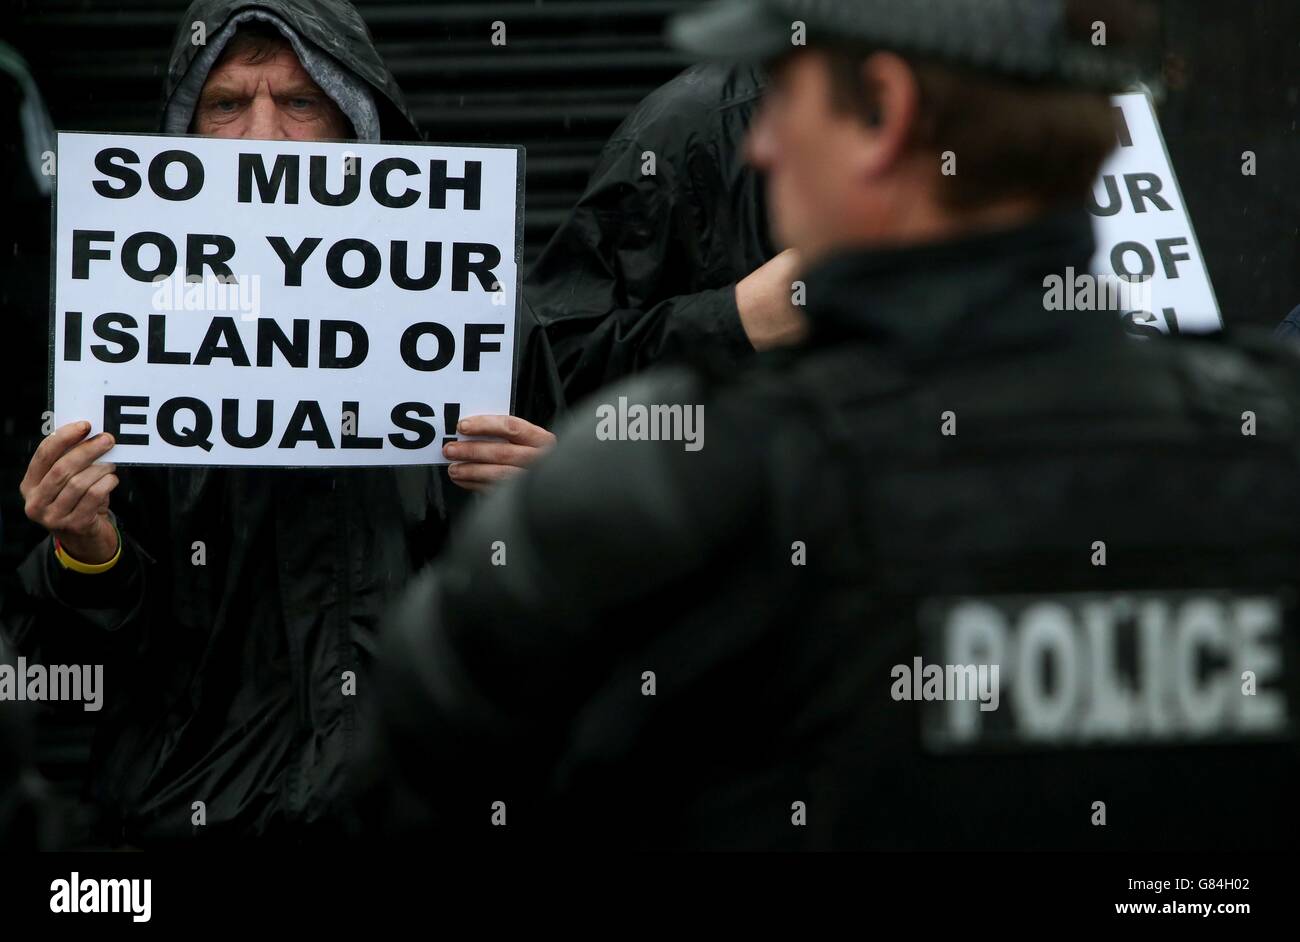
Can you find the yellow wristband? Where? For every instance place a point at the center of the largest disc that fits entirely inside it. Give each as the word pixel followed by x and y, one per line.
pixel 90 569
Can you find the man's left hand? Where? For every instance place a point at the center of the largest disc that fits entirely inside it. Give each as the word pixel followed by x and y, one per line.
pixel 478 465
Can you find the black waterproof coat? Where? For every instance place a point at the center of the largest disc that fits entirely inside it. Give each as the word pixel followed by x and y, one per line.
pixel 245 600
pixel 699 648
pixel 21 810
pixel 644 269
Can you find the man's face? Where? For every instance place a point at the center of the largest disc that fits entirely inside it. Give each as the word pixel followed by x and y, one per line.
pixel 809 152
pixel 273 100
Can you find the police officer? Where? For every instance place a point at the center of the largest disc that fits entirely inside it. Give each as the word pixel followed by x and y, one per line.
pixel 963 570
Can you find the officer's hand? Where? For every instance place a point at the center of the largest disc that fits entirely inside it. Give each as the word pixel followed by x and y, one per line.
pixel 67 493
pixel 765 299
pixel 478 465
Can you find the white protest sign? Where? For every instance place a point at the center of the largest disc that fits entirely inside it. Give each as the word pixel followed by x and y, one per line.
pixel 1143 228
pixel 293 304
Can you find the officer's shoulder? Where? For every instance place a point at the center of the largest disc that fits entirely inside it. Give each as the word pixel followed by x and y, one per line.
pixel 1246 357
pixel 1204 382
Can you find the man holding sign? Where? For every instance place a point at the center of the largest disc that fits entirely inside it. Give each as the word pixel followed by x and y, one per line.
pixel 261 300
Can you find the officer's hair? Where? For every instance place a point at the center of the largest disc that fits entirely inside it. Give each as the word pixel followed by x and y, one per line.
pixel 1016 138
pixel 254 43
pixel 1010 138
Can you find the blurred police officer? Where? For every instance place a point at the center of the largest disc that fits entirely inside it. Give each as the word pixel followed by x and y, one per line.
pixel 963 570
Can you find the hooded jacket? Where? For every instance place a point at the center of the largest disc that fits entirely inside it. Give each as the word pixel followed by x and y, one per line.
pixel 236 628
pixel 333 29
pixel 644 270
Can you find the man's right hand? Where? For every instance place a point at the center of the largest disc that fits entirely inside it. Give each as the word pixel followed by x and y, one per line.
pixel 67 493
pixel 764 298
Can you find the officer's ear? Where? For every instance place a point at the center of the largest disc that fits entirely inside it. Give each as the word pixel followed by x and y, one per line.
pixel 891 97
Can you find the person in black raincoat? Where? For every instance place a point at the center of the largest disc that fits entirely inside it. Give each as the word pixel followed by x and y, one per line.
pixel 28 136
pixel 24 802
pixel 667 256
pixel 1289 329
pixel 729 595
pixel 230 608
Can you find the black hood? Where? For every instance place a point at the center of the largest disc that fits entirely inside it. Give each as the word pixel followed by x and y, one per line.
pixel 333 26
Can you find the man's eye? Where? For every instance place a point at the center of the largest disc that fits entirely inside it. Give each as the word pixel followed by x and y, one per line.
pixel 301 104
pixel 225 104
